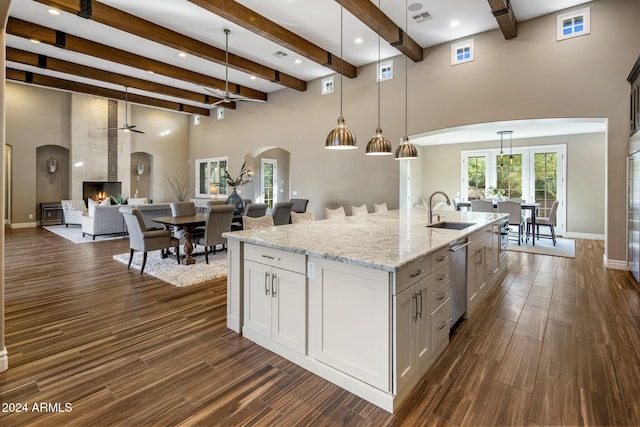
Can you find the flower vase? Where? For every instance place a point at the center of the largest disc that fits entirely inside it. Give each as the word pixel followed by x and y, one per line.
pixel 235 199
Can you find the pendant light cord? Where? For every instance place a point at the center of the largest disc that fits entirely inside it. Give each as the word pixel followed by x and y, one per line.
pixel 406 75
pixel 379 70
pixel 341 59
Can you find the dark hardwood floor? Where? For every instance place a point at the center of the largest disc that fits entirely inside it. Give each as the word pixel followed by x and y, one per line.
pixel 556 343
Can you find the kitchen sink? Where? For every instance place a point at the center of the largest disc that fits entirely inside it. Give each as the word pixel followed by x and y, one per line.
pixel 449 225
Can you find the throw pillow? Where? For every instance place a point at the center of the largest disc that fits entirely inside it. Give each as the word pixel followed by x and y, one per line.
pixel 106 202
pixel 92 207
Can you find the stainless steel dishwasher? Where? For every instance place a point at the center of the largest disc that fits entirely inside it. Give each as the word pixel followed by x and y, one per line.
pixel 458 279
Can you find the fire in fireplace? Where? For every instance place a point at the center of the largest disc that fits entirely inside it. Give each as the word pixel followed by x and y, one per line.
pixel 100 190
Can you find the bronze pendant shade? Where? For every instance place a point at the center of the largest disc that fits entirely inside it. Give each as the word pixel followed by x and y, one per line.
pixel 341 138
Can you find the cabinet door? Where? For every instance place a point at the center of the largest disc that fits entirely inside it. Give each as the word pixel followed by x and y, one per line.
pixel 405 305
pixel 289 297
pixel 440 326
pixel 476 276
pixel 257 297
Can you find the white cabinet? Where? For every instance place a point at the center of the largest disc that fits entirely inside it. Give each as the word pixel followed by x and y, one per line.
pixel 476 267
pixel 422 319
pixel 274 297
pixel 349 311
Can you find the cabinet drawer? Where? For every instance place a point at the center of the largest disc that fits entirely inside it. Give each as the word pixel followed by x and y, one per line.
pixel 437 297
pixel 276 258
pixel 440 326
pixel 438 277
pixel 439 258
pixel 412 272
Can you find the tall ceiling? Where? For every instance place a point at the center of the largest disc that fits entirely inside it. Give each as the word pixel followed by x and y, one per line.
pixel 171 53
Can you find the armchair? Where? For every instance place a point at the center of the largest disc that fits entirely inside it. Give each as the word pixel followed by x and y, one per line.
pixel 145 240
pixel 72 211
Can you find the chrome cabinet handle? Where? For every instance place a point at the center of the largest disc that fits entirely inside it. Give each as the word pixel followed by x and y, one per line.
pixel 266 283
pixel 442 325
pixel 274 285
pixel 275 258
pixel 416 273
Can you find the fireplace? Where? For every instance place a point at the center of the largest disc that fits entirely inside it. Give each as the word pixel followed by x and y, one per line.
pixel 100 190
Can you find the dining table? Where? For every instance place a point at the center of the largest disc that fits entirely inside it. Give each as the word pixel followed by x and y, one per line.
pixel 525 206
pixel 189 223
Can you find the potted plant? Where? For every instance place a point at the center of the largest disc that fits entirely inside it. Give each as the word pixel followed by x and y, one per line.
pixel 180 189
pixel 119 199
pixel 234 198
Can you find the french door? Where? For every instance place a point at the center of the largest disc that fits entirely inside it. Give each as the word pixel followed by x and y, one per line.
pixel 528 173
pixel 269 182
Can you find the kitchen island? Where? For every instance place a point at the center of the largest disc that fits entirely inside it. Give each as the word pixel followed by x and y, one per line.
pixel 360 301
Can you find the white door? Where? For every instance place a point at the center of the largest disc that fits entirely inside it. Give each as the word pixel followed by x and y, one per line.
pixel 289 298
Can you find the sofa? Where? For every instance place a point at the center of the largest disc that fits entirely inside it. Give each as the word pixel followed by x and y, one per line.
pixel 104 220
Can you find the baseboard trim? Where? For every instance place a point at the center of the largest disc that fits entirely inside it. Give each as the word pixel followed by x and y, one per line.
pixel 587 236
pixel 23 225
pixel 4 360
pixel 614 264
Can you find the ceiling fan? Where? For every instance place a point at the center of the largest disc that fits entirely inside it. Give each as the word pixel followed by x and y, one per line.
pixel 127 127
pixel 225 94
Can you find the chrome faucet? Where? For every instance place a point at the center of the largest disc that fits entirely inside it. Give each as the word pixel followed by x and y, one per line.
pixel 430 204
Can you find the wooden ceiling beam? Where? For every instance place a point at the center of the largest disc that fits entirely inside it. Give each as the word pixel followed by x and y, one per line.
pixel 67 85
pixel 503 12
pixel 372 17
pixel 20 28
pixel 53 64
pixel 247 18
pixel 112 17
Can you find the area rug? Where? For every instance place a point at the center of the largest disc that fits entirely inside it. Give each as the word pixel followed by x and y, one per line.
pixel 564 247
pixel 168 269
pixel 74 234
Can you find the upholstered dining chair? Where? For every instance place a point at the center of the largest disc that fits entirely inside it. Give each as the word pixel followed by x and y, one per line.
pixel 182 209
pixel 359 210
pixel 253 210
pixel 334 213
pixel 299 205
pixel 143 239
pixel 514 209
pixel 249 223
pixel 72 211
pixel 481 205
pixel 281 213
pixel 380 207
pixel 301 218
pixel 218 221
pixel 548 221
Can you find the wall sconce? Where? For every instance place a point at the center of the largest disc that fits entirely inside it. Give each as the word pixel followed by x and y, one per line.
pixel 139 171
pixel 249 174
pixel 52 167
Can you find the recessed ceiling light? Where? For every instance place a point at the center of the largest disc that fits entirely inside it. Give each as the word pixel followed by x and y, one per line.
pixel 252 77
pixel 359 40
pixel 414 7
pixel 54 11
pixel 454 24
pixel 36 41
pixel 298 61
pixel 182 55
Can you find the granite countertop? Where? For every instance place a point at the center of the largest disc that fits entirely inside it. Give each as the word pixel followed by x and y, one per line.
pixel 385 241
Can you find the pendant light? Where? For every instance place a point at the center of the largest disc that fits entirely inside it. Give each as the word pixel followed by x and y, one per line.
pixel 501 133
pixel 510 132
pixel 341 138
pixel 378 145
pixel 406 150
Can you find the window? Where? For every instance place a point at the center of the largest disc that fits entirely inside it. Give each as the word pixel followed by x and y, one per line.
pixel 574 24
pixel 476 173
pixel 327 85
pixel 509 175
pixel 210 179
pixel 462 52
pixel 385 71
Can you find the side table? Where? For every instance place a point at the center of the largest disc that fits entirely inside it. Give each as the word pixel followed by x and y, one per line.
pixel 46 213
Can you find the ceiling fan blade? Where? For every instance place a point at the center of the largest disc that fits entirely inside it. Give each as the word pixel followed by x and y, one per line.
pixel 217 103
pixel 250 100
pixel 136 131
